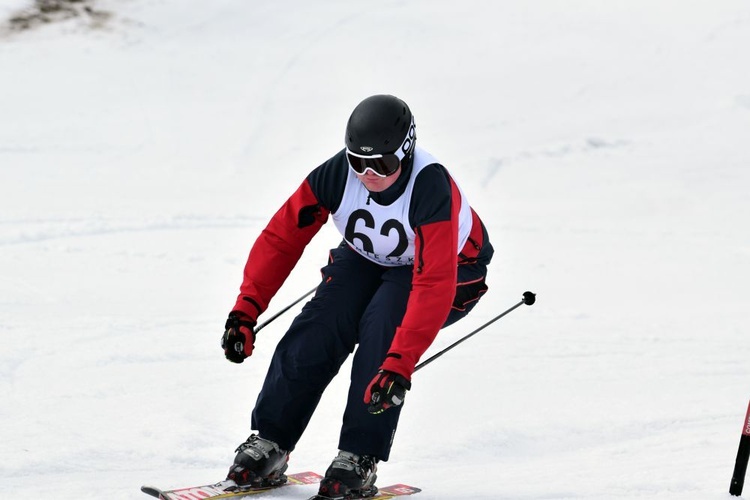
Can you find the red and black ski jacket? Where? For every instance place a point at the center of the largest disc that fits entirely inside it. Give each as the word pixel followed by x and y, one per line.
pixel 438 231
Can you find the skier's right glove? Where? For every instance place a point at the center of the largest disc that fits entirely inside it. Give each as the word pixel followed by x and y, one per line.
pixel 237 331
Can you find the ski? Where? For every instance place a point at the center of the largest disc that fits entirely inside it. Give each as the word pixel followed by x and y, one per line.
pixel 227 489
pixel 394 490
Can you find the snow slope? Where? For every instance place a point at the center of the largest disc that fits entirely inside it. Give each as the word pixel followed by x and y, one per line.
pixel 605 144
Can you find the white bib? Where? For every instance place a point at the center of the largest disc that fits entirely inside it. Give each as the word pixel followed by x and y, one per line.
pixel 383 234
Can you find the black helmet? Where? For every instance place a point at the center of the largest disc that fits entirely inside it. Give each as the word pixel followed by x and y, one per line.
pixel 379 125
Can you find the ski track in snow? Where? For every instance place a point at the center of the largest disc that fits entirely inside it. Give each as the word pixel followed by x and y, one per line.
pixel 26 231
pixel 590 144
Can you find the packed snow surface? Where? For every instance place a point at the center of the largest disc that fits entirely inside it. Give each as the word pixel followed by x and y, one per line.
pixel 606 145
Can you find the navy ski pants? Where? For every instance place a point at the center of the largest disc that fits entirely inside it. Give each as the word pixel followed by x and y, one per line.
pixel 360 303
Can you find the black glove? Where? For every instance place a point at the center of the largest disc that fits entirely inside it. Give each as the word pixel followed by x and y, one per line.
pixel 387 389
pixel 237 331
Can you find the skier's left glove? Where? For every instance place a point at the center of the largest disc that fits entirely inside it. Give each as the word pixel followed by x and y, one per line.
pixel 239 338
pixel 386 390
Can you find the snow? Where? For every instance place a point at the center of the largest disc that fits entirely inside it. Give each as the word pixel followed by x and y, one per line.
pixel 605 144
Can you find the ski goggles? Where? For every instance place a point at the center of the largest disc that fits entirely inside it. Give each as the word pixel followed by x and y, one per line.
pixel 380 165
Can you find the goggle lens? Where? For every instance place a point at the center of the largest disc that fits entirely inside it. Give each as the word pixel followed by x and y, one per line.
pixel 382 165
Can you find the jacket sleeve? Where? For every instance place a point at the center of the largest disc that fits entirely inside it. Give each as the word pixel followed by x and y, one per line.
pixel 278 248
pixel 434 280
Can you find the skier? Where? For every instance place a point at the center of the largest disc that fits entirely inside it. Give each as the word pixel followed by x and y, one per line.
pixel 413 260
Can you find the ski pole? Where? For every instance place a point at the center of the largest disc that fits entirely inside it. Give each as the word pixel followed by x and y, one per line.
pixel 265 323
pixel 528 299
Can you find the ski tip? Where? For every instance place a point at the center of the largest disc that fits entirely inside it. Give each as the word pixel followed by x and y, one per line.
pixel 154 492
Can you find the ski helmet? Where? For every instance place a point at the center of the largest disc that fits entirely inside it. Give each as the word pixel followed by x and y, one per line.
pixel 380 135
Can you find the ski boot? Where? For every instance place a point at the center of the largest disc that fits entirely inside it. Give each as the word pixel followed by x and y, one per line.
pixel 259 463
pixel 349 476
